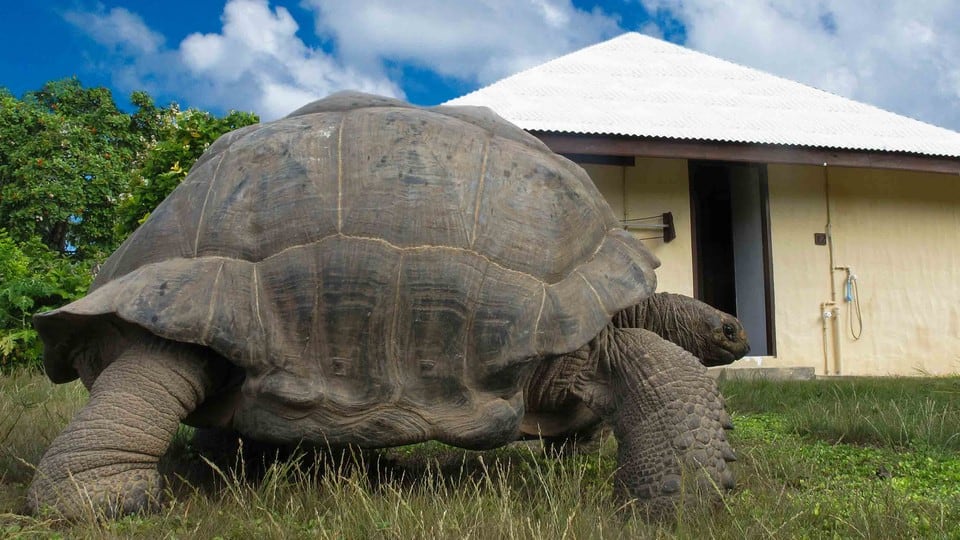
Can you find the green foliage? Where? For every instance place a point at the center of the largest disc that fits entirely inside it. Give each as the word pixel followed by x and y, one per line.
pixel 77 175
pixel 183 138
pixel 80 174
pixel 32 278
pixel 65 158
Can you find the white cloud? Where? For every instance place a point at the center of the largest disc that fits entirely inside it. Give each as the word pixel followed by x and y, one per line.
pixel 257 61
pixel 117 28
pixel 900 55
pixel 258 54
pixel 477 41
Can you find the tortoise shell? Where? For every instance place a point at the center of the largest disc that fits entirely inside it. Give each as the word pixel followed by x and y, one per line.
pixel 379 273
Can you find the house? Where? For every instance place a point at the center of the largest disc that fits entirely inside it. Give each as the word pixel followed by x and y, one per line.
pixel 831 228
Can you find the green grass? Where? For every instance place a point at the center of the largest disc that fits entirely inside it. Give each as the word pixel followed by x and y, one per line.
pixel 850 458
pixel 894 412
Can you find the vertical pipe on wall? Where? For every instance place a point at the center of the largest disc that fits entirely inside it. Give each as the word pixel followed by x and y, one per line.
pixel 623 186
pixel 829 230
pixel 830 310
pixel 823 324
pixel 836 339
pixel 830 322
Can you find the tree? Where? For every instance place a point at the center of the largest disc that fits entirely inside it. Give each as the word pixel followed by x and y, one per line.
pixel 181 140
pixel 80 174
pixel 77 175
pixel 65 158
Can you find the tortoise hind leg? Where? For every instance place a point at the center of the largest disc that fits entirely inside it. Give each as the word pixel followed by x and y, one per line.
pixel 552 412
pixel 105 461
pixel 667 416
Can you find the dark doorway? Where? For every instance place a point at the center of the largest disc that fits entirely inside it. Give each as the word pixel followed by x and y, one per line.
pixel 731 250
pixel 713 238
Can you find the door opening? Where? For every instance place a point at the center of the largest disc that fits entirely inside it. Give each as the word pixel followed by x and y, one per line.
pixel 731 250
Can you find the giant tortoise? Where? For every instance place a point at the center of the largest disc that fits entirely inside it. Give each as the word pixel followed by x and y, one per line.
pixel 364 272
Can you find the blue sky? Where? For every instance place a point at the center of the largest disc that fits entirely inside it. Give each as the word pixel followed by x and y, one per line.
pixel 270 56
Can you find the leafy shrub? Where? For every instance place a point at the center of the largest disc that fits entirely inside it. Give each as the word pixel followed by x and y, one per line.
pixel 32 278
pixel 182 139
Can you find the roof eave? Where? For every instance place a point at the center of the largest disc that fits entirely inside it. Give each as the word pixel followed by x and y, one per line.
pixel 622 145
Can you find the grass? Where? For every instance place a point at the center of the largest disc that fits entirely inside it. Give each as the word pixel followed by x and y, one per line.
pixel 893 412
pixel 849 458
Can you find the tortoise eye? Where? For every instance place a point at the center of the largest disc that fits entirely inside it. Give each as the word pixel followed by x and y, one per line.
pixel 729 331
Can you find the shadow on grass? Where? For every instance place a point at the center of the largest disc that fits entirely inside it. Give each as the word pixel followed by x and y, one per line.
pixel 206 461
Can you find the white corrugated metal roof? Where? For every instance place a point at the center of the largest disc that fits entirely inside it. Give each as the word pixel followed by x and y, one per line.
pixel 642 86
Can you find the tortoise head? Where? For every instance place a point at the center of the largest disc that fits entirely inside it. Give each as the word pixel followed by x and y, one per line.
pixel 715 337
pixel 726 340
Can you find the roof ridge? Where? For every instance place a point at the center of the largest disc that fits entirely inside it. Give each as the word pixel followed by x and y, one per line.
pixel 535 67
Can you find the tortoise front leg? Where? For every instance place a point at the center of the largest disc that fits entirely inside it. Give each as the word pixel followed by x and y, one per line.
pixel 667 416
pixel 105 461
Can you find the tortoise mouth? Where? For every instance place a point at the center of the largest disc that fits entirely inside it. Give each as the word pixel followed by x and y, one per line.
pixel 736 351
pixel 726 352
pixel 721 358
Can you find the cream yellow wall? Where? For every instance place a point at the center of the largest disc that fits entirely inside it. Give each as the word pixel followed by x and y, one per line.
pixel 652 187
pixel 801 276
pixel 900 232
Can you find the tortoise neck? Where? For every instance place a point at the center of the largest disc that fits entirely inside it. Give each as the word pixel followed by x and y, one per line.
pixel 667 315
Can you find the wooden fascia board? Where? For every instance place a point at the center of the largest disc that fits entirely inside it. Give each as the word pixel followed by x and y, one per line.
pixel 604 145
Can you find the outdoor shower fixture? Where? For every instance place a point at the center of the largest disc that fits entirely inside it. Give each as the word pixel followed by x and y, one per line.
pixel 851 297
pixel 830 317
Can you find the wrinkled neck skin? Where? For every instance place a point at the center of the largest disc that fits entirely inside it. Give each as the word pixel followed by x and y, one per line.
pixel 672 317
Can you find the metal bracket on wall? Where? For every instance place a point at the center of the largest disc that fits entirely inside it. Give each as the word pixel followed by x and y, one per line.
pixel 661 222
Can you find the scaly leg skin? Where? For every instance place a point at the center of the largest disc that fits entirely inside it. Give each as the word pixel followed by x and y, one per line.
pixel 553 413
pixel 104 463
pixel 667 416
